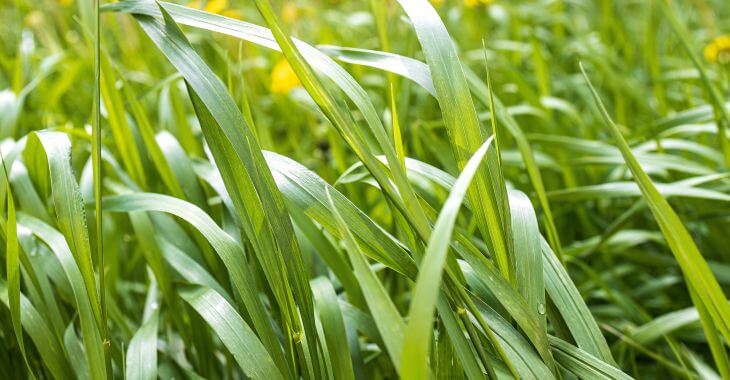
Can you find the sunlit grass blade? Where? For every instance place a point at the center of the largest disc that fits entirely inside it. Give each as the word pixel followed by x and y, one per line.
pixel 386 316
pixel 141 357
pixel 465 133
pixel 247 178
pixel 93 344
pixel 41 335
pixel 420 316
pixel 420 73
pixel 233 331
pixel 697 273
pixel 333 326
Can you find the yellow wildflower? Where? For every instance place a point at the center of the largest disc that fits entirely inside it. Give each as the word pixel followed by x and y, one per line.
pixel 289 13
pixel 216 6
pixel 34 18
pixel 65 3
pixel 474 3
pixel 283 78
pixel 718 50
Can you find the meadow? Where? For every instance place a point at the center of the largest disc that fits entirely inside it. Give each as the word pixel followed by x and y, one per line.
pixel 380 189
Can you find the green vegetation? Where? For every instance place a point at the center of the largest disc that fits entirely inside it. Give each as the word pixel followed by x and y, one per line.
pixel 324 189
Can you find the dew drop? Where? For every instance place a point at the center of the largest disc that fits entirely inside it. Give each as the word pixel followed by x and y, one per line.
pixel 541 308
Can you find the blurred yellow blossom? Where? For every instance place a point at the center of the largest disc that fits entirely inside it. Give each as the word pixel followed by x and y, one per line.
pixel 65 3
pixel 289 13
pixel 283 78
pixel 438 3
pixel 474 3
pixel 216 6
pixel 718 50
pixel 34 18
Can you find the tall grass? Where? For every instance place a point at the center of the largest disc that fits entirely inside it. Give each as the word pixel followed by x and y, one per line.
pixel 446 189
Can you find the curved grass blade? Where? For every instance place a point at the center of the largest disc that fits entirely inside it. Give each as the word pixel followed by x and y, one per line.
pixel 386 316
pixel 93 344
pixel 233 331
pixel 142 352
pixel 694 267
pixel 489 195
pixel 583 364
pixel 49 154
pixel 572 307
pixel 333 326
pixel 420 316
pixel 526 234
pixel 420 73
pixel 335 112
pixel 12 264
pixel 228 250
pixel 247 179
pixel 41 335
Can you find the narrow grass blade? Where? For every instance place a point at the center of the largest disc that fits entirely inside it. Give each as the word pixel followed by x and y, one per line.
pixel 420 316
pixel 41 335
pixel 247 179
pixel 142 352
pixel 333 326
pixel 386 316
pixel 233 331
pixel 93 344
pixel 694 267
pixel 465 134
pixel 583 364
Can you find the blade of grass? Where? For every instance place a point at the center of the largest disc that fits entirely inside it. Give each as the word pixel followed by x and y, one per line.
pixel 12 264
pixel 333 326
pixel 141 358
pixel 420 315
pixel 694 267
pixel 236 335
pixel 465 133
pixel 248 180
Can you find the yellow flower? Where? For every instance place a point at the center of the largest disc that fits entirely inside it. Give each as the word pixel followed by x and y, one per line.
pixel 216 6
pixel 289 13
pixel 34 18
pixel 283 78
pixel 438 3
pixel 474 3
pixel 718 50
pixel 65 3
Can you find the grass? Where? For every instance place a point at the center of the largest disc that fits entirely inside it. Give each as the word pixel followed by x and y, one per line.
pixel 354 190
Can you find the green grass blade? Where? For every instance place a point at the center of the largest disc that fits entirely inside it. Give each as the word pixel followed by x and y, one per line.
pixel 228 250
pixel 233 331
pixel 12 264
pixel 247 178
pixel 50 153
pixel 142 352
pixel 41 335
pixel 694 267
pixel 333 326
pixel 420 316
pixel 386 316
pixel 583 364
pixel 465 133
pixel 567 299
pixel 93 344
